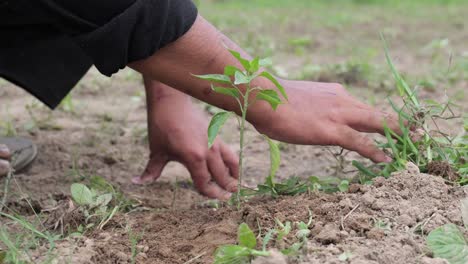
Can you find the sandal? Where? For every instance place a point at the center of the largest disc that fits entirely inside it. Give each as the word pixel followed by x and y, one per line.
pixel 22 152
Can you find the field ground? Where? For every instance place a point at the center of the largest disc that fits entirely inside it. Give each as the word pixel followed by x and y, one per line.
pixel 101 131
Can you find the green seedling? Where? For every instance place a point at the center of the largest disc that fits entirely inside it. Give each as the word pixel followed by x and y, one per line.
pixel 94 206
pixel 241 253
pixel 433 147
pixel 238 84
pixel 245 252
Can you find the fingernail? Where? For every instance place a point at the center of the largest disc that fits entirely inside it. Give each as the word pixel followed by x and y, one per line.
pixel 137 180
pixel 4 167
pixel 227 196
pixel 388 159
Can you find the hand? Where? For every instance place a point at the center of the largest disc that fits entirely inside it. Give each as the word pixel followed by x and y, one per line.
pixel 5 155
pixel 325 114
pixel 178 132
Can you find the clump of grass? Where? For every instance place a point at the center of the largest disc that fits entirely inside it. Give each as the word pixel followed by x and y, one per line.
pixel 432 147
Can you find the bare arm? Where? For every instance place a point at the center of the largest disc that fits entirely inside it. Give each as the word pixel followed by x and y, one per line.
pixel 317 113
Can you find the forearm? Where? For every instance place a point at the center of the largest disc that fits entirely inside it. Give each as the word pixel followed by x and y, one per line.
pixel 200 51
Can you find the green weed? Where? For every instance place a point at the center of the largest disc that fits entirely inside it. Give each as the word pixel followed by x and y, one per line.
pixel 435 151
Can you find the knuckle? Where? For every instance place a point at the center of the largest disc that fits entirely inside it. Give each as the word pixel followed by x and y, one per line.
pixel 196 156
pixel 215 148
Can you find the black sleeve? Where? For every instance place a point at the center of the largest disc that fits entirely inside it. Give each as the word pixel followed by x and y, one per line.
pixel 52 43
pixel 116 32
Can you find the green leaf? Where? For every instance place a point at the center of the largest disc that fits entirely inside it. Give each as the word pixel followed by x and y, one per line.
pixel 231 70
pixel 227 91
pixel 217 78
pixel 246 237
pixel 103 200
pixel 392 145
pixel 275 159
pixel 232 254
pixel 363 169
pixel 271 96
pixel 81 194
pixel 254 65
pixel 217 121
pixel 447 242
pixel 343 186
pixel 275 82
pixel 245 63
pixel 267 238
pixel 240 78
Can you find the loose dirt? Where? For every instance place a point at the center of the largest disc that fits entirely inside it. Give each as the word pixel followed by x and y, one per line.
pixel 382 223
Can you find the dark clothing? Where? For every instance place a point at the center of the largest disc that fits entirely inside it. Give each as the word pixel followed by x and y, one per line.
pixel 46 46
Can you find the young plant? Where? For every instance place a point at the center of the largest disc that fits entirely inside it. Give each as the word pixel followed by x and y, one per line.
pixel 238 84
pixel 432 149
pixel 241 253
pixel 94 207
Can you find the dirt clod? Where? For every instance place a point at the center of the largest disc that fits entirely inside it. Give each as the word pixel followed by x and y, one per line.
pixel 443 169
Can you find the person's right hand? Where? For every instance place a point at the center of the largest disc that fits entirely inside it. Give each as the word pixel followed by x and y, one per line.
pixel 5 155
pixel 325 114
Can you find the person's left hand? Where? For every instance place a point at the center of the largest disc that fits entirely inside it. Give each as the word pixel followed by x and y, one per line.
pixel 177 131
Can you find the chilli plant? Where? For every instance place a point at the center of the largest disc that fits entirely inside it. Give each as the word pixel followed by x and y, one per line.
pixel 239 84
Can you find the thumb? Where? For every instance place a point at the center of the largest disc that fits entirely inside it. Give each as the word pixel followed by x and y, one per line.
pixel 152 171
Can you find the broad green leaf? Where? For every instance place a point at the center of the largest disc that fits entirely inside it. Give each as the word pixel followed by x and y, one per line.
pixel 447 242
pixel 343 186
pixel 271 96
pixel 254 65
pixel 275 82
pixel 217 121
pixel 231 70
pixel 81 194
pixel 217 78
pixel 232 254
pixel 275 159
pixel 240 78
pixel 227 91
pixel 246 237
pixel 245 63
pixel 103 200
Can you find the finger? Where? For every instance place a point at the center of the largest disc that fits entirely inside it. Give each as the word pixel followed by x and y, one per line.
pixel 4 167
pixel 231 160
pixel 152 171
pixel 4 152
pixel 219 171
pixel 202 181
pixel 371 120
pixel 351 139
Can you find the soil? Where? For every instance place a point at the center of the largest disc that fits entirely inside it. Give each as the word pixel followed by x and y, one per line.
pixel 381 223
